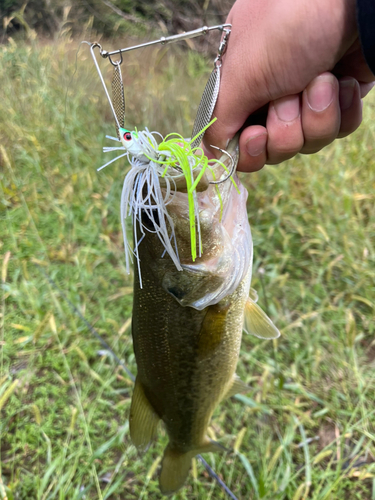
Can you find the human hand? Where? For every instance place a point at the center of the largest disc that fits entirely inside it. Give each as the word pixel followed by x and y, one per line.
pixel 281 58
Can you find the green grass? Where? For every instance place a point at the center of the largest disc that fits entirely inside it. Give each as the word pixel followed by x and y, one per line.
pixel 305 429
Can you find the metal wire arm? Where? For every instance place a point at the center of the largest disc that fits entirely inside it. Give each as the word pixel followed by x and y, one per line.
pixel 169 39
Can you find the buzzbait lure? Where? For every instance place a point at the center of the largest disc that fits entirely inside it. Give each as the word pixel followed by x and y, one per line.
pixel 158 164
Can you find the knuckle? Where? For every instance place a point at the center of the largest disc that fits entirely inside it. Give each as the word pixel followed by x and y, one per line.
pixel 285 145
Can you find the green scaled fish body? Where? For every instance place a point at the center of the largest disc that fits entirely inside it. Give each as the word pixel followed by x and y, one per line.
pixel 187 326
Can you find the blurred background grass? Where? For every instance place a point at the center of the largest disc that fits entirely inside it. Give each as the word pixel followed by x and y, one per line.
pixel 306 428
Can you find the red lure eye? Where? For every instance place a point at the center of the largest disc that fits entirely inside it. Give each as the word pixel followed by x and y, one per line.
pixel 127 136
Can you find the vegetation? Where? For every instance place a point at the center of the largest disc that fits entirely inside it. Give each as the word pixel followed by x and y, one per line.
pixel 51 18
pixel 306 429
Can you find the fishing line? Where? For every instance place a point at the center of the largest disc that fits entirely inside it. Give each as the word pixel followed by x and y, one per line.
pixel 213 474
pixel 210 471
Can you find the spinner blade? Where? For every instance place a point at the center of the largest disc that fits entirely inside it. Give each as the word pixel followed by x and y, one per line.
pixel 118 97
pixel 206 106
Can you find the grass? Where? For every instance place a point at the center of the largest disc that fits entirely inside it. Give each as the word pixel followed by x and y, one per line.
pixel 306 428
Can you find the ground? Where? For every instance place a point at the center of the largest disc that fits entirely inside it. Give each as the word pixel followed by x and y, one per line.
pixel 306 427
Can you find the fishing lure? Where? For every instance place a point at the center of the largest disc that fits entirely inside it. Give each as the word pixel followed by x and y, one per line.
pixel 160 164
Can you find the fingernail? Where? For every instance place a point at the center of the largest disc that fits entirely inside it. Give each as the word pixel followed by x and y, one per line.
pixel 320 93
pixel 256 145
pixel 287 108
pixel 346 93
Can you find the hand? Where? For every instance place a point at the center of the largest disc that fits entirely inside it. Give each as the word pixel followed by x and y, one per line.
pixel 281 58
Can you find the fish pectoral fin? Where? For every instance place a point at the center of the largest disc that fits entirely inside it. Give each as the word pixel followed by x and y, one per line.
pixel 143 420
pixel 253 295
pixel 257 322
pixel 237 386
pixel 176 465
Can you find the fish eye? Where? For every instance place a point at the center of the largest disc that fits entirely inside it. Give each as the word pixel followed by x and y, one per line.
pixel 127 136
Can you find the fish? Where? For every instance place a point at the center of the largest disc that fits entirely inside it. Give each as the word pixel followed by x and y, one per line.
pixel 187 324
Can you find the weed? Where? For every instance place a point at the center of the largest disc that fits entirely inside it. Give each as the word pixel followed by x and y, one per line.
pixel 305 429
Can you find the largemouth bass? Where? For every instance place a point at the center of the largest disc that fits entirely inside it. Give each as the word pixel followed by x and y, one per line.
pixel 187 325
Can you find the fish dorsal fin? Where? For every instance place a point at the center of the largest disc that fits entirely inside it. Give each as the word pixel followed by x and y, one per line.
pixel 257 322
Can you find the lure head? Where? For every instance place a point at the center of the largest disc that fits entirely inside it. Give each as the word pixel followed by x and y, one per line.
pixel 129 141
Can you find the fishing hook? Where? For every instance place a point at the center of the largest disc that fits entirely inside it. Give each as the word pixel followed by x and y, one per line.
pixel 232 168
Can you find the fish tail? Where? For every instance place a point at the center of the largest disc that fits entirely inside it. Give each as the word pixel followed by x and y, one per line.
pixel 176 466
